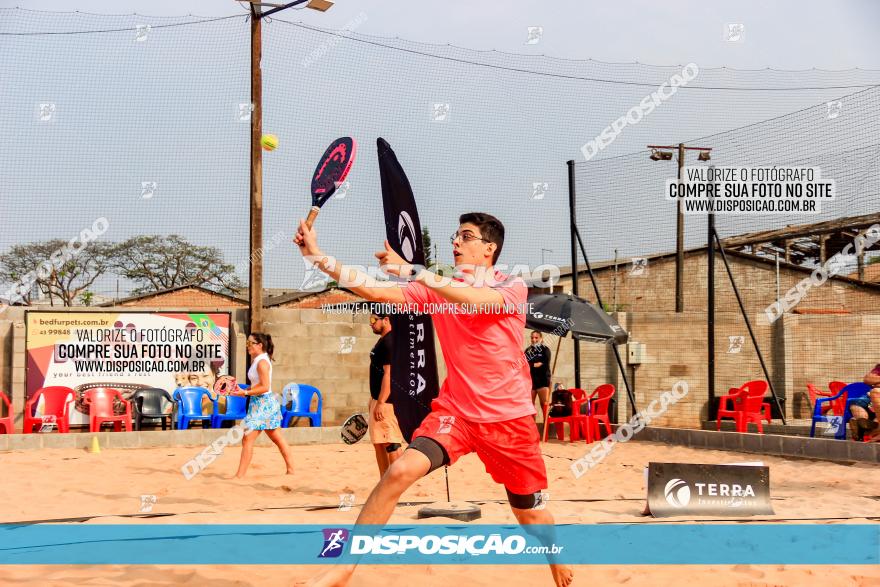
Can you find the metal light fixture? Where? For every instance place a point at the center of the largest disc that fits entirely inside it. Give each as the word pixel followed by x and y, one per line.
pixel 657 155
pixel 704 156
pixel 319 5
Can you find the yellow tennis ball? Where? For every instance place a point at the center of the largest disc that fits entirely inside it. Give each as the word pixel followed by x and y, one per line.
pixel 269 142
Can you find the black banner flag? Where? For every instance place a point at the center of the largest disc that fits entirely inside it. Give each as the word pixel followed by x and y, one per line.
pixel 414 380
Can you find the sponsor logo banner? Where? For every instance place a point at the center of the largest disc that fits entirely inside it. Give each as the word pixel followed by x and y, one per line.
pixel 679 489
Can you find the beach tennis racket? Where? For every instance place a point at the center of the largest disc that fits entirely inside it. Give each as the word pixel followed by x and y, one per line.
pixel 332 170
pixel 354 429
pixel 226 385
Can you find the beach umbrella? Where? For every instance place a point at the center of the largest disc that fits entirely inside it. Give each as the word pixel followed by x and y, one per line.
pixel 561 314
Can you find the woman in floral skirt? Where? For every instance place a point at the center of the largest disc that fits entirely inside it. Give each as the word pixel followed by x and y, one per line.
pixel 264 411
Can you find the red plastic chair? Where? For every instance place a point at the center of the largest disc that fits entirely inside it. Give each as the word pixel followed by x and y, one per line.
pixel 7 421
pixel 727 405
pixel 732 404
pixel 838 406
pixel 816 393
pixel 599 402
pixel 577 422
pixel 751 407
pixel 56 402
pixel 100 401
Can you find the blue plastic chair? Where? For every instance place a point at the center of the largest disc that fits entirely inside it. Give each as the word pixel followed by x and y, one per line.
pixel 236 409
pixel 854 391
pixel 189 406
pixel 300 397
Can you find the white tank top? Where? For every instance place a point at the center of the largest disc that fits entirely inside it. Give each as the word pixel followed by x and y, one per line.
pixel 254 375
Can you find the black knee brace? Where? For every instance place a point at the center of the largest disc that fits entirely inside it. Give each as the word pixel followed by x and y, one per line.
pixel 431 449
pixel 525 502
pixel 392 447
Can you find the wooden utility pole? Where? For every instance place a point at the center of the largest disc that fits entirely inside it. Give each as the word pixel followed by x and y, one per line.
pixel 664 153
pixel 256 200
pixel 679 241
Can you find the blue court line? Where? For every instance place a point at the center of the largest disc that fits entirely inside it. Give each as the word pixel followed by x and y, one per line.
pixel 612 544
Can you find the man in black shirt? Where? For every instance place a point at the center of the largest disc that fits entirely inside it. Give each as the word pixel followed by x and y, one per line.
pixel 384 431
pixel 538 356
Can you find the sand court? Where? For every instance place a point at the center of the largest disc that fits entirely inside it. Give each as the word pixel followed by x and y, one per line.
pixel 57 484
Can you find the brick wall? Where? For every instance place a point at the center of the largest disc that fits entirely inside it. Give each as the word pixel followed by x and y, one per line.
pixel 655 289
pixel 798 349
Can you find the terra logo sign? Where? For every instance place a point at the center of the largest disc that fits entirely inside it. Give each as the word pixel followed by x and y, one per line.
pixel 406 234
pixel 677 492
pixel 542 316
pixel 334 542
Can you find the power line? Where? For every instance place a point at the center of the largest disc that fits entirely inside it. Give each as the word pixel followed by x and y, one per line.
pixel 562 75
pixel 119 30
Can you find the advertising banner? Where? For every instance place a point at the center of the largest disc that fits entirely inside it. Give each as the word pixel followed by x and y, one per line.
pixel 684 489
pixel 141 349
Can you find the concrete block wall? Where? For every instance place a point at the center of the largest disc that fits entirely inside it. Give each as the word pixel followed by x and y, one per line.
pixel 12 360
pixel 798 349
pixel 309 349
pixel 675 346
pixel 653 290
pixel 818 350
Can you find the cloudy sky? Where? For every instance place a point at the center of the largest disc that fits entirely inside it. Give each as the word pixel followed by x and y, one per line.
pixel 786 34
pixel 163 111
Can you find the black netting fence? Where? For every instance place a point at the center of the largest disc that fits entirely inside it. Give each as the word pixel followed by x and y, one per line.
pixel 144 122
pixel 807 281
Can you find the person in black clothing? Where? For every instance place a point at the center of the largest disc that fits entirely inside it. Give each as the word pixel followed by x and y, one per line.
pixel 384 430
pixel 538 356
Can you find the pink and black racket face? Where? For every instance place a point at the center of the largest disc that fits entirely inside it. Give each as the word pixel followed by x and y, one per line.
pixel 332 169
pixel 226 385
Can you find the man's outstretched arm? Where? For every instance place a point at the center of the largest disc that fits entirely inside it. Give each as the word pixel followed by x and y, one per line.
pixel 351 278
pixel 457 292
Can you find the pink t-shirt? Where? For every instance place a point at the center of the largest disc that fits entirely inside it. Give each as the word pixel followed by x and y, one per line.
pixel 487 377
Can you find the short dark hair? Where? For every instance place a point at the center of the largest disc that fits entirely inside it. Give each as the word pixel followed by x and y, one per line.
pixel 380 310
pixel 491 229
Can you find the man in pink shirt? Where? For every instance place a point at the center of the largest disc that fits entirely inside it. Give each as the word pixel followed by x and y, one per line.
pixel 484 405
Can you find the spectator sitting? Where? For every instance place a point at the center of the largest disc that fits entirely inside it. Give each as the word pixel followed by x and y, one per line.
pixel 864 410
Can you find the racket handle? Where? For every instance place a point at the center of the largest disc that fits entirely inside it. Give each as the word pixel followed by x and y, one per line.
pixel 313 213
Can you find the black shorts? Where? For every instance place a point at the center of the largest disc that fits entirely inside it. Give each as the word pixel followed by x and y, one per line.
pixel 539 382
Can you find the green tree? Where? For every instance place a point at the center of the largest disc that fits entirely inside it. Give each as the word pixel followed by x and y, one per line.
pixel 426 244
pixel 155 263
